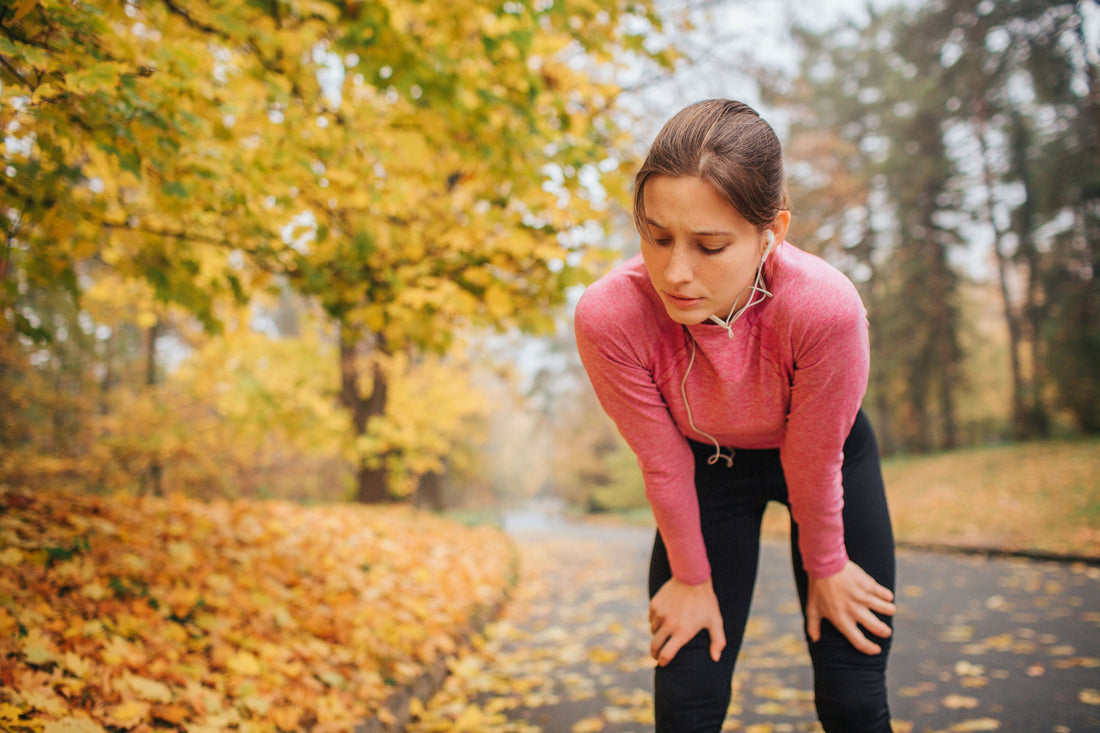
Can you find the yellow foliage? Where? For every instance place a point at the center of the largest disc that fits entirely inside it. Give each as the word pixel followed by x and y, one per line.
pixel 303 618
pixel 411 167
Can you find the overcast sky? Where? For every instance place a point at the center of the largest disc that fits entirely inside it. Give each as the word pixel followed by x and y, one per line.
pixel 731 35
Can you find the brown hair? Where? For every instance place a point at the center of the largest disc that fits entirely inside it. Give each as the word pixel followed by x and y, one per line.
pixel 726 144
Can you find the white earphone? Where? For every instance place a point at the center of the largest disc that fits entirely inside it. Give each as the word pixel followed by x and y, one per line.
pixel 770 237
pixel 758 293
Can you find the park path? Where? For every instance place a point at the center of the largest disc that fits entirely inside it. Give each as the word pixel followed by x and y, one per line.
pixel 981 644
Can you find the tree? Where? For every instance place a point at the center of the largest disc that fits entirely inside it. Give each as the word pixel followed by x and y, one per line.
pixel 417 169
pixel 463 220
pixel 951 123
pixel 869 185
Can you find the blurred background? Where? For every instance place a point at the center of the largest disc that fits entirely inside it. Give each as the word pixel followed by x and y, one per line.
pixel 325 251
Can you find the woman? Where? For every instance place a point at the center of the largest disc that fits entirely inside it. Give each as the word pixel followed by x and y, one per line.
pixel 734 364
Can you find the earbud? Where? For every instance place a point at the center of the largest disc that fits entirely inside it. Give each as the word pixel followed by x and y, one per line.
pixel 769 236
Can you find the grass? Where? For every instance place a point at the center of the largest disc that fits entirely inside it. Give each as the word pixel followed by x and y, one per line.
pixel 1035 497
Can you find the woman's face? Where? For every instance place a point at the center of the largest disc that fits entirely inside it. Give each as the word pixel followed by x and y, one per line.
pixel 700 253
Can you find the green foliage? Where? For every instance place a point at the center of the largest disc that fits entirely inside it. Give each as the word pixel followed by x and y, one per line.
pixel 919 134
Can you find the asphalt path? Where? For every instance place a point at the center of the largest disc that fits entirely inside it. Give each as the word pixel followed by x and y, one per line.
pixel 981 643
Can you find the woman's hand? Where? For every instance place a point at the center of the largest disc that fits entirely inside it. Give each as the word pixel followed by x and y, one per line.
pixel 848 599
pixel 680 611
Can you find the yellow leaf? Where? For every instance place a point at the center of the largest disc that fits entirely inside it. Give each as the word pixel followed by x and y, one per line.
pixel 37 652
pixel 970 726
pixel 244 663
pixel 76 664
pixel 592 724
pixel 73 725
pixel 22 7
pixel 43 92
pixel 148 689
pixel 289 718
pixel 129 714
pixel 94 591
pixel 146 319
pixel 182 552
pixel 97 77
pixel 497 301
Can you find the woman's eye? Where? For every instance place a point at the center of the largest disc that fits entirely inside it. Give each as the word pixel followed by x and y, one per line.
pixel 712 250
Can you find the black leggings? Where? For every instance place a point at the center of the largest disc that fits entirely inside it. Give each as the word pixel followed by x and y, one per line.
pixel 692 693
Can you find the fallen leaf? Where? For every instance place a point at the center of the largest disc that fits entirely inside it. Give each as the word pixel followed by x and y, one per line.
pixel 970 726
pixel 148 689
pixel 128 714
pixel 73 725
pixel 592 724
pixel 244 663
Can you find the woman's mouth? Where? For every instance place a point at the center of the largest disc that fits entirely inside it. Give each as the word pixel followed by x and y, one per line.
pixel 682 301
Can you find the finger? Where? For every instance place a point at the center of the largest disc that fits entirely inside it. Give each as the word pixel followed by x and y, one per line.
pixel 861 642
pixel 669 650
pixel 884 607
pixel 717 641
pixel 882 592
pixel 660 639
pixel 656 618
pixel 813 624
pixel 876 626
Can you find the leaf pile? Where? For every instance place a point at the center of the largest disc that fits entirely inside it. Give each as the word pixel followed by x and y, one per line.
pixel 148 614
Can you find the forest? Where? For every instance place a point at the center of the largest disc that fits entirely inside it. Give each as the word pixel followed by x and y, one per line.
pixel 320 250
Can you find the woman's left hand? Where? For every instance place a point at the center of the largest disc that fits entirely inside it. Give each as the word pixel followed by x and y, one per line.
pixel 849 600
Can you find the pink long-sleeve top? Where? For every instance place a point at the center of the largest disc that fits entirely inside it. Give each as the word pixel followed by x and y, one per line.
pixel 792 377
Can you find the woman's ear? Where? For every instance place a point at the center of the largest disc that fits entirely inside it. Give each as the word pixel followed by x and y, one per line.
pixel 776 232
pixel 769 244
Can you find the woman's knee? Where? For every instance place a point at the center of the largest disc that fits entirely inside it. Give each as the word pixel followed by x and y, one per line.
pixel 692 693
pixel 862 709
pixel 850 688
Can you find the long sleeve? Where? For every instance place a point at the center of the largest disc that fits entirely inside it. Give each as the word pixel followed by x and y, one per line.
pixel 618 360
pixel 829 378
pixel 791 376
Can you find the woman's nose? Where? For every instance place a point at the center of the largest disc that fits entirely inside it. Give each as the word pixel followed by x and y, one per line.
pixel 679 268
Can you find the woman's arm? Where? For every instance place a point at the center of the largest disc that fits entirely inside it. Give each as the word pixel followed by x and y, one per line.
pixel 615 344
pixel 617 364
pixel 831 363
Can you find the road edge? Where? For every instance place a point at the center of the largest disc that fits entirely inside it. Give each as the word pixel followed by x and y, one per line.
pixel 393 714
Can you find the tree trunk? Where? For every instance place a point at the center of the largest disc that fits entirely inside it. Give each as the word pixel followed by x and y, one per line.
pixel 1012 320
pixel 153 480
pixel 1092 75
pixel 372 484
pixel 884 432
pixel 948 422
pixel 929 291
pixel 429 492
pixel 1034 307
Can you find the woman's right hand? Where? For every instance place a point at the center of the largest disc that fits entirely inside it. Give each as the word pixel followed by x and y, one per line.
pixel 680 611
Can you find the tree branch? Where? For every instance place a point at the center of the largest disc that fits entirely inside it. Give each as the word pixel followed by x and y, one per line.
pixel 13 71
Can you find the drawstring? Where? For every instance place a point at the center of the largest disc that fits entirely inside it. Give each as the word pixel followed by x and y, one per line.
pixel 757 294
